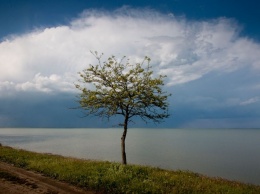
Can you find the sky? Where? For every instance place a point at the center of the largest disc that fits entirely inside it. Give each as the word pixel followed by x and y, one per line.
pixel 209 50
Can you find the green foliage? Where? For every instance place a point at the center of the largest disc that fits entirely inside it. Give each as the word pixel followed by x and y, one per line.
pixel 124 89
pixel 115 178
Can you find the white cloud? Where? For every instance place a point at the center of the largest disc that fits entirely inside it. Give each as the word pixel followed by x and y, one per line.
pixel 46 84
pixel 250 101
pixel 48 59
pixel 7 88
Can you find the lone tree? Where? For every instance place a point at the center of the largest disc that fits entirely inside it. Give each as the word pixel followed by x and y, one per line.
pixel 119 88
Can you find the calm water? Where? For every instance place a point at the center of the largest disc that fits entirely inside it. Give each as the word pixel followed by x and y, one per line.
pixel 229 153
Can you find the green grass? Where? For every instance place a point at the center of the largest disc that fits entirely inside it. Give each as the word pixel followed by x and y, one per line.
pixel 108 177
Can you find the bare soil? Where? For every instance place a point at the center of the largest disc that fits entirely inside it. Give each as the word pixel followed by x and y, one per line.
pixel 15 180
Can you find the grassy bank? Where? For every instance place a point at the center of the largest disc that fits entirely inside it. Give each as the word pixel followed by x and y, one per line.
pixel 110 177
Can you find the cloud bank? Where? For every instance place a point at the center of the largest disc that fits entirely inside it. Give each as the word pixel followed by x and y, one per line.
pixel 47 60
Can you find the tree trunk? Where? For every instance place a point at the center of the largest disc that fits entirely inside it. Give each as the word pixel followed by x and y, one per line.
pixel 123 141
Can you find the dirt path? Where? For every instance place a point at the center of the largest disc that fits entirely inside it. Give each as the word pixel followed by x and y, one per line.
pixel 15 180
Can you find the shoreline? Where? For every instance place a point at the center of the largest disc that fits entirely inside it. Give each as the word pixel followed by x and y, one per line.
pixel 109 177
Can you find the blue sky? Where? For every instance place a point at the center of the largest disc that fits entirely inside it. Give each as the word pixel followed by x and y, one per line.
pixel 209 49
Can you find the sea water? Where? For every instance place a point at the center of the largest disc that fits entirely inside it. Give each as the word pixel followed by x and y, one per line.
pixel 228 153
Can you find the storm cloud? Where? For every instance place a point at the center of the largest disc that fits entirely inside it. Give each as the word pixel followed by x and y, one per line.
pixel 191 53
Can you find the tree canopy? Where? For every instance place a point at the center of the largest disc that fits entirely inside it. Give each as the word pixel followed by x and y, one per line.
pixel 116 87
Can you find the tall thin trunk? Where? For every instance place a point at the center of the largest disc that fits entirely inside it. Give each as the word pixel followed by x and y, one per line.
pixel 123 141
